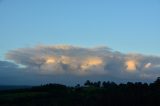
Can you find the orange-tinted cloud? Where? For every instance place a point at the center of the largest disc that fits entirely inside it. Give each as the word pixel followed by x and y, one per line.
pixel 131 65
pixel 72 60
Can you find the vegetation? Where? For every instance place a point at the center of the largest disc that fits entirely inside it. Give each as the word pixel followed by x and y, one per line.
pixel 90 94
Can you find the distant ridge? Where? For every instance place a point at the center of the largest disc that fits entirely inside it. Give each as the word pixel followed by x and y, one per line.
pixel 13 87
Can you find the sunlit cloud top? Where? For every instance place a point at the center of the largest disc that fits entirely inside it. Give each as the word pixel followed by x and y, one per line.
pixel 80 61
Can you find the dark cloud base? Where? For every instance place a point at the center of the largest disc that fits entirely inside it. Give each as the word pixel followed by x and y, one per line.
pixel 70 64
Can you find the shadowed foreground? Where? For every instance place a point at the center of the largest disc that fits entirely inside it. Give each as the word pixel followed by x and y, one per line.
pixel 91 94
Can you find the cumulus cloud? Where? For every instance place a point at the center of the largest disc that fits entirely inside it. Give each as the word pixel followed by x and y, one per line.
pixel 11 73
pixel 79 61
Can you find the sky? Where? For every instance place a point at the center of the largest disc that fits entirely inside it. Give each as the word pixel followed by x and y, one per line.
pixel 124 30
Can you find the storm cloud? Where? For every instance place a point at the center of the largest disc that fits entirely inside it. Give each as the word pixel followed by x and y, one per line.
pixel 61 60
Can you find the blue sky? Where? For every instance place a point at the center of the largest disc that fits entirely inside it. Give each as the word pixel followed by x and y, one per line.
pixel 124 25
pixel 127 26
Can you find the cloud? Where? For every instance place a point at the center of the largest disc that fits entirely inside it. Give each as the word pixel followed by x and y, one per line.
pixel 10 73
pixel 63 60
pixel 131 65
pixel 148 65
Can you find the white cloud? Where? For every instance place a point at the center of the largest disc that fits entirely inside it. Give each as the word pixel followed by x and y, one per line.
pixel 80 61
pixel 148 65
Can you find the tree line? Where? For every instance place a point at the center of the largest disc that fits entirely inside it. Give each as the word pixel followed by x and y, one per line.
pixel 98 93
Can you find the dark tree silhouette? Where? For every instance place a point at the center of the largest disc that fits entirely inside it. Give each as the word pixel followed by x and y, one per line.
pixel 91 94
pixel 88 83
